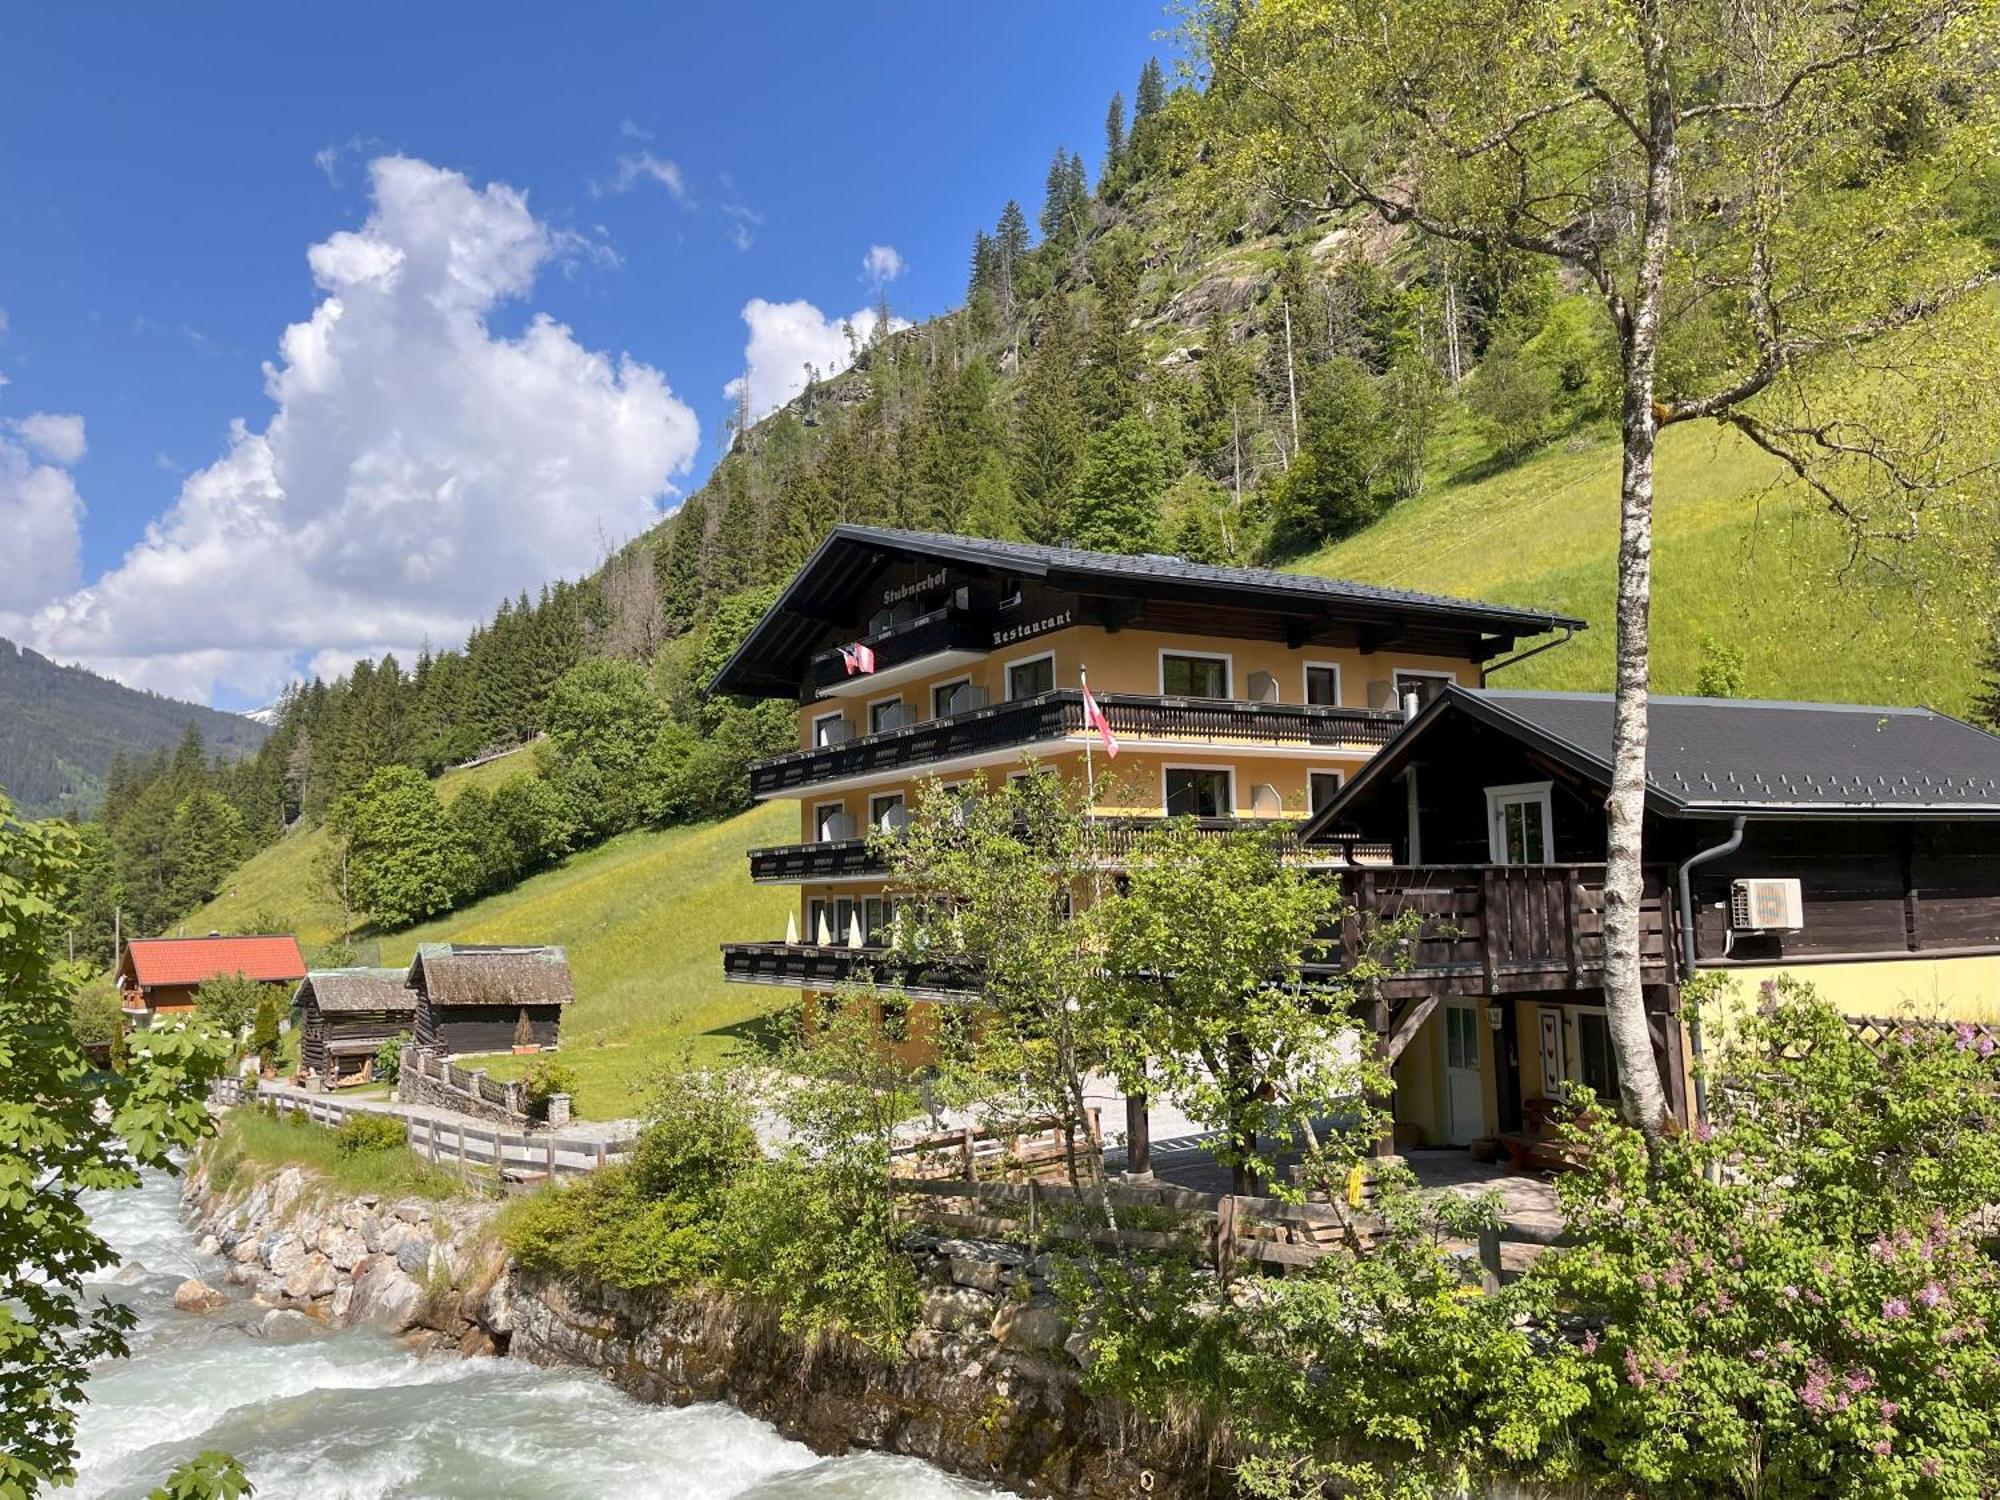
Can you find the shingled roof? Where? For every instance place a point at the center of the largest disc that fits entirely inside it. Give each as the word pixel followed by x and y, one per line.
pixel 838 568
pixel 1719 756
pixel 342 990
pixel 267 958
pixel 451 974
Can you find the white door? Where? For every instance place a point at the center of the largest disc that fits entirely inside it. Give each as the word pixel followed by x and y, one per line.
pixel 1464 1095
pixel 1519 824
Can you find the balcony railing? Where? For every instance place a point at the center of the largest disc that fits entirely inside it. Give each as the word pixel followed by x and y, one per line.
pixel 1058 715
pixel 811 966
pixel 851 859
pixel 935 634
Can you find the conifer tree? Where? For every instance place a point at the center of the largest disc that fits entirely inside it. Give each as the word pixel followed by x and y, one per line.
pixel 679 563
pixel 1010 240
pixel 1116 356
pixel 1049 425
pixel 1114 141
pixel 1057 201
pixel 1152 95
pixel 1116 506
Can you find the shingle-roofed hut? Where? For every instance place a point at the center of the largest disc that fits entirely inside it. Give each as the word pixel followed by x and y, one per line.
pixel 344 1017
pixel 475 997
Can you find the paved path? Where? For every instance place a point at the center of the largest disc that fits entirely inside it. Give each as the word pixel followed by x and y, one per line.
pixel 578 1132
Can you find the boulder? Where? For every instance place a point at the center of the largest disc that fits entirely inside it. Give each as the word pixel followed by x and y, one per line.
pixel 286 1325
pixel 386 1296
pixel 315 1277
pixel 208 1246
pixel 193 1296
pixel 345 1248
pixel 284 1253
pixel 246 1251
pixel 956 1309
pixel 414 1256
pixel 496 1311
pixel 285 1191
pixel 1031 1328
pixel 979 1274
pixel 342 1302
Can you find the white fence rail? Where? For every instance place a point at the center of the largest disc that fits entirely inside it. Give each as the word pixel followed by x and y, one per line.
pixel 458 1140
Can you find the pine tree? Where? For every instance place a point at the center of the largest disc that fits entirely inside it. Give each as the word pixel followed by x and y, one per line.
pixel 1114 141
pixel 1152 95
pixel 1116 356
pixel 979 280
pixel 1116 507
pixel 1010 240
pixel 1057 199
pixel 679 563
pixel 1049 429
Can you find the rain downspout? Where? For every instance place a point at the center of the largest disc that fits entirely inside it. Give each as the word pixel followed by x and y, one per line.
pixel 1701 857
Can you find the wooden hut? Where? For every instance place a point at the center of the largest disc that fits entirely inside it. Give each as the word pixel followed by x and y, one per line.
pixel 159 976
pixel 345 1015
pixel 479 998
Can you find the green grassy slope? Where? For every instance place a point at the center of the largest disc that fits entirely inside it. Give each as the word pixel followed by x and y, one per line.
pixel 1736 556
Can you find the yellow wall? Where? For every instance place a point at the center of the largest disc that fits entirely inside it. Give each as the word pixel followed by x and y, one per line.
pixel 1952 989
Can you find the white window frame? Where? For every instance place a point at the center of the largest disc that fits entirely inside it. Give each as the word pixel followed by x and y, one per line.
pixel 1227 659
pixel 1306 669
pixel 875 703
pixel 1520 791
pixel 1340 780
pixel 874 818
pixel 1007 672
pixel 826 718
pixel 1229 773
pixel 953 684
pixel 839 805
pixel 1430 673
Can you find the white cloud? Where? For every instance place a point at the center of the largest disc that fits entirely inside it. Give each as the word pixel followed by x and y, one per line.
pixel 637 167
pixel 417 468
pixel 56 436
pixel 882 264
pixel 41 516
pixel 786 337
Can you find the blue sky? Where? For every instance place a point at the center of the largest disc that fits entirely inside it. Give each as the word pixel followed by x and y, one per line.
pixel 164 171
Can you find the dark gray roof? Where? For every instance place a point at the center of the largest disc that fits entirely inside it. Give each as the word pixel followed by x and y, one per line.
pixel 490 974
pixel 355 990
pixel 831 571
pixel 1729 755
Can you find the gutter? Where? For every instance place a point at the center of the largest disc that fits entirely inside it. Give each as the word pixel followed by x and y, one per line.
pixel 1686 892
pixel 1568 635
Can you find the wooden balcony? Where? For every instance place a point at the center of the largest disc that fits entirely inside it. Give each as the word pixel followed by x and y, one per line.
pixel 855 859
pixel 936 642
pixel 1485 930
pixel 990 734
pixel 1495 929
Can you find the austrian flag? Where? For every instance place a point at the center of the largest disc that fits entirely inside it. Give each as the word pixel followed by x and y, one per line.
pixel 1093 718
pixel 859 658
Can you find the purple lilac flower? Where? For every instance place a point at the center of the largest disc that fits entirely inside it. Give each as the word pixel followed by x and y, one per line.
pixel 1634 1376
pixel 1791 1293
pixel 1931 1295
pixel 1965 1034
pixel 1881 1449
pixel 1858 1381
pixel 1894 1308
pixel 1928 1468
pixel 1890 1410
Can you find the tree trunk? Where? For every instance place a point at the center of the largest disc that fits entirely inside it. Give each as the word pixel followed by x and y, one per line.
pixel 1643 1096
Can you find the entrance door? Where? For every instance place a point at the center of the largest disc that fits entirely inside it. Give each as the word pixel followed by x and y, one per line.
pixel 1464 1096
pixel 1555 1067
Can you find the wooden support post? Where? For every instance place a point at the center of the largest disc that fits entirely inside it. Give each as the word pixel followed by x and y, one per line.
pixel 1379 1021
pixel 1489 1259
pixel 1034 1219
pixel 1663 1021
pixel 1138 1138
pixel 434 1139
pixel 1491 901
pixel 965 1148
pixel 1225 1237
pixel 552 1157
pixel 1572 922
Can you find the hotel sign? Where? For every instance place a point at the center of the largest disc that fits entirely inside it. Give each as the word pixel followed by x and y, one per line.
pixel 928 583
pixel 1033 628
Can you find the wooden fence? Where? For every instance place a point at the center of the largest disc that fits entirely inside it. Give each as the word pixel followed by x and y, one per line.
pixel 966 1155
pixel 466 1142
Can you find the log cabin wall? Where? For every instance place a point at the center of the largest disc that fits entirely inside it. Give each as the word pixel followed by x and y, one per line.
pixel 457 1030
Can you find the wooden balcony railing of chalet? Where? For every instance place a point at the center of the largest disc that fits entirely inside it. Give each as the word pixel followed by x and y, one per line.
pixel 1058 715
pixel 849 859
pixel 941 630
pixel 1486 930
pixel 1494 929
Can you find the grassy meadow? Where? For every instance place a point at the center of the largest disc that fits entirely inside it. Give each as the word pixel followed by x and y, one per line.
pixel 1738 555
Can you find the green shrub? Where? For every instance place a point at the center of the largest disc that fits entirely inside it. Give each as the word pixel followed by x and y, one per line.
pixel 389 1057
pixel 229 1003
pixel 371 1132
pixel 546 1076
pixel 264 1036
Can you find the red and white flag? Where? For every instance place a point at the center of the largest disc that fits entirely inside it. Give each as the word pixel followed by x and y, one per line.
pixel 1093 718
pixel 859 658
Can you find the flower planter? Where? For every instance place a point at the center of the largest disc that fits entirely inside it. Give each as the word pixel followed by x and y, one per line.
pixel 524 1051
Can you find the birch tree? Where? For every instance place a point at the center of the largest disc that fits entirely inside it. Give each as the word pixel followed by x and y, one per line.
pixel 1767 198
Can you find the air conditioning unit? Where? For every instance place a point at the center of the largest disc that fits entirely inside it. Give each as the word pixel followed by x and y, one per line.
pixel 1766 906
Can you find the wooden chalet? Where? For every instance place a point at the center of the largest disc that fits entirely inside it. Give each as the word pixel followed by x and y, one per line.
pixel 345 1015
pixel 475 997
pixel 1856 847
pixel 159 976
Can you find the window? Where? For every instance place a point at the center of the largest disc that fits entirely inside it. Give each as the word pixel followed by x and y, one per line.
pixel 877 913
pixel 1194 676
pixel 1322 683
pixel 942 694
pixel 1321 786
pixel 820 911
pixel 890 713
pixel 1010 592
pixel 1520 824
pixel 887 814
pixel 830 822
pixel 1461 1036
pixel 1595 1061
pixel 1030 678
pixel 829 729
pixel 1197 792
pixel 1426 685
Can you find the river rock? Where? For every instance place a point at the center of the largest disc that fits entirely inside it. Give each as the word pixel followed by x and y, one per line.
pixel 414 1256
pixel 286 1325
pixel 957 1309
pixel 194 1296
pixel 208 1246
pixel 496 1311
pixel 285 1191
pixel 386 1295
pixel 246 1250
pixel 284 1253
pixel 131 1272
pixel 1031 1328
pixel 345 1247
pixel 342 1302
pixel 315 1277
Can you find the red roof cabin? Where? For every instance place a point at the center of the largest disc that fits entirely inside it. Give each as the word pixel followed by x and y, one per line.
pixel 159 976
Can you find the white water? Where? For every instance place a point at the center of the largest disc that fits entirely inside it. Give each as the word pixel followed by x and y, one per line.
pixel 354 1416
